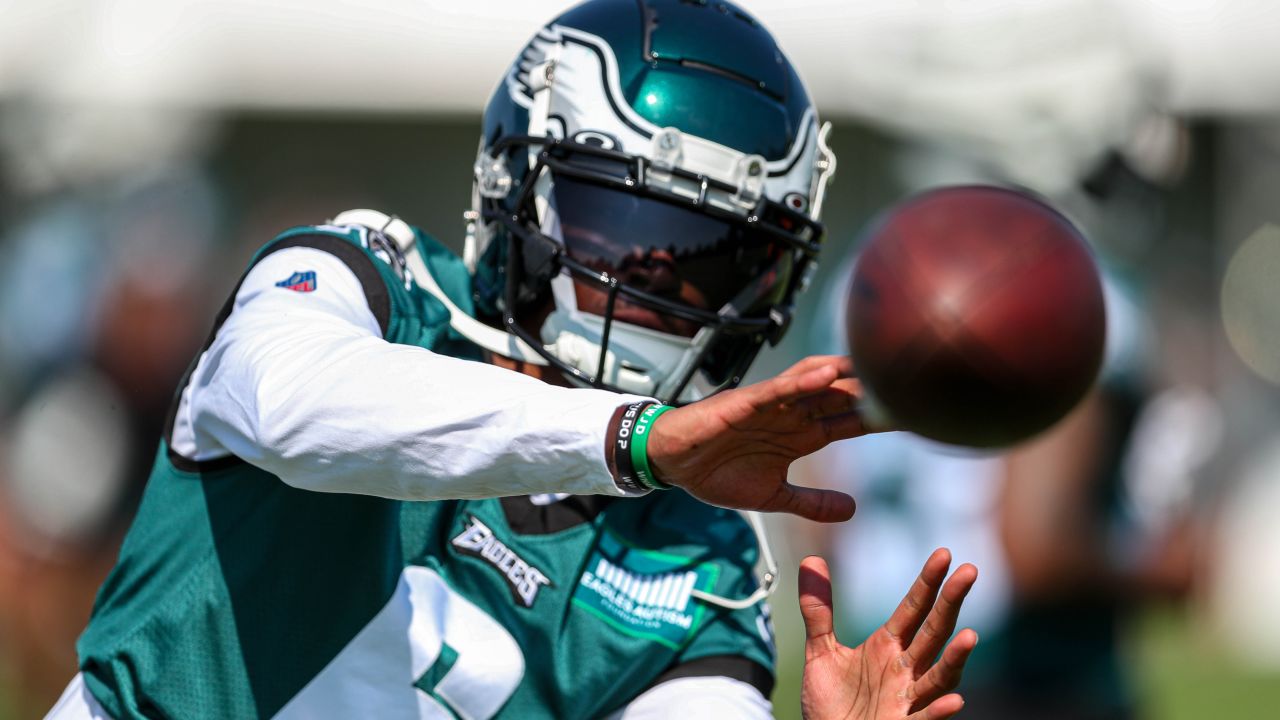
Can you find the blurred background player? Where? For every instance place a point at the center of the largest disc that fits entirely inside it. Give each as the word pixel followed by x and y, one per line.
pixel 1076 526
pixel 1072 543
pixel 82 371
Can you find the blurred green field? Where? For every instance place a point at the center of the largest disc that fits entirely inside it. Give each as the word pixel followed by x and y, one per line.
pixel 6 706
pixel 1180 675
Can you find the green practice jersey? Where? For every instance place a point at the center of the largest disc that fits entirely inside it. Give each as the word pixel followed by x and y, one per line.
pixel 237 595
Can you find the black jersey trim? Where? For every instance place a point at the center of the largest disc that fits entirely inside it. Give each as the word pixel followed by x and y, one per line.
pixel 735 667
pixel 183 463
pixel 375 293
pixel 526 518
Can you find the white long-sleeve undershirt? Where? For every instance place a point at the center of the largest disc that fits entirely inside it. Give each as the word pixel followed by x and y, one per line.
pixel 707 697
pixel 698 697
pixel 303 385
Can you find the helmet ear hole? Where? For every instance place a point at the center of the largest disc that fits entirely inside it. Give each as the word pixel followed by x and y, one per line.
pixel 532 314
pixel 540 261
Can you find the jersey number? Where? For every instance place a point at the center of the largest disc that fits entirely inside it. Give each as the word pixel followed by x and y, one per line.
pixel 430 653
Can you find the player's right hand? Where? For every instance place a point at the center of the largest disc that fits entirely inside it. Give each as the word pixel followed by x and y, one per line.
pixel 733 448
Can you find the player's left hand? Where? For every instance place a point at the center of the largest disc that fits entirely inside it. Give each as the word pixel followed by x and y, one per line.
pixel 896 673
pixel 733 449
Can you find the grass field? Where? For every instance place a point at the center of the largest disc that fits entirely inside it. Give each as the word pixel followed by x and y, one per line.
pixel 1182 676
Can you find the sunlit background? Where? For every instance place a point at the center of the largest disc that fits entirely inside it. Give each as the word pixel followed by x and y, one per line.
pixel 147 147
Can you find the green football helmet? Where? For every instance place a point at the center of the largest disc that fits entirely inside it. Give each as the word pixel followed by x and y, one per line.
pixel 647 197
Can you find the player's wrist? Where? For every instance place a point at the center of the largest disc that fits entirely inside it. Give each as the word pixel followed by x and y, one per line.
pixel 645 470
pixel 618 447
pixel 628 449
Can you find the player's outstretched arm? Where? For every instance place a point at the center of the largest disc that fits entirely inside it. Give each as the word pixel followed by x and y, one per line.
pixel 733 449
pixel 305 386
pixel 897 673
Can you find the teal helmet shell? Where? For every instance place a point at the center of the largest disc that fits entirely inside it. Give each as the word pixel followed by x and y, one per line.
pixel 706 68
pixel 699 87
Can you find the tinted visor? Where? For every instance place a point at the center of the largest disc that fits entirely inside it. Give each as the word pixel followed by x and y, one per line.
pixel 664 249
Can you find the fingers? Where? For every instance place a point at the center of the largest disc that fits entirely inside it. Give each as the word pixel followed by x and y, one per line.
pixel 824 506
pixel 841 396
pixel 906 619
pixel 940 709
pixel 842 363
pixel 945 675
pixel 806 377
pixel 815 605
pixel 941 620
pixel 843 427
pixel 786 389
pixel 817 387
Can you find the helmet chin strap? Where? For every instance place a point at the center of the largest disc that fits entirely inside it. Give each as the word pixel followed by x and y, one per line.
pixel 768 579
pixel 489 338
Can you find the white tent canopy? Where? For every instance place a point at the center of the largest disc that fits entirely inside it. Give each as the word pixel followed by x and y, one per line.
pixel 1042 88
pixel 444 56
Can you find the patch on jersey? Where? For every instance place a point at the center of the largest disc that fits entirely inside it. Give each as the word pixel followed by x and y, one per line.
pixel 301 281
pixel 523 579
pixel 644 593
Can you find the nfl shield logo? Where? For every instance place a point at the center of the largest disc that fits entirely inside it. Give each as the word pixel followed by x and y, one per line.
pixel 303 281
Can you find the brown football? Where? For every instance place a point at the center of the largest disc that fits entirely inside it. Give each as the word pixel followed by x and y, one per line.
pixel 975 316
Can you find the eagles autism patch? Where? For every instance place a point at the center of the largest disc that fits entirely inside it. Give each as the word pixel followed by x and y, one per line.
pixel 644 593
pixel 301 281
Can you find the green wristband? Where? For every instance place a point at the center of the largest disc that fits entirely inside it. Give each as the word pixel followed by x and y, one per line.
pixel 640 447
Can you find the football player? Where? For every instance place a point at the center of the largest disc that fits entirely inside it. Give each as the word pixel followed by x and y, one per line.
pixel 399 483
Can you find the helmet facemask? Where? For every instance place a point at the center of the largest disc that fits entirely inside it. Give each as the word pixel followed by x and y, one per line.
pixel 669 280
